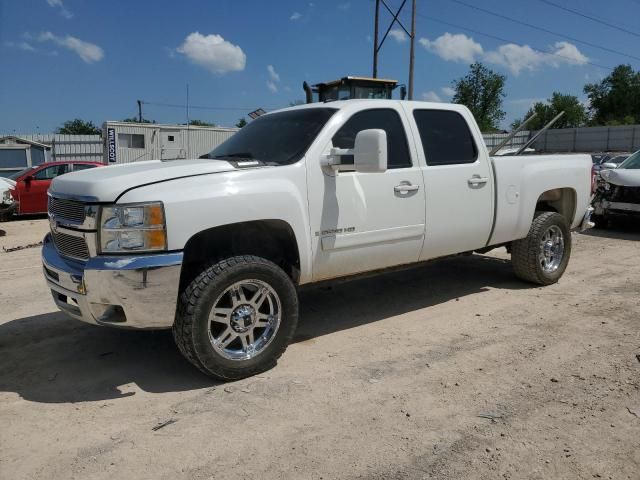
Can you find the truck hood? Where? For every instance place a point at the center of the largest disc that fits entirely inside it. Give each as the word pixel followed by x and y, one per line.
pixel 622 176
pixel 108 183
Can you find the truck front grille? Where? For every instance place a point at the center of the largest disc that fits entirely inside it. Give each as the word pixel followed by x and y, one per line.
pixel 71 246
pixel 67 209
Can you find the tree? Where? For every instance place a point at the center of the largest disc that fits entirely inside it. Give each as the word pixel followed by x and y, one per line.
pixel 575 115
pixel 201 123
pixel 616 99
pixel 78 127
pixel 241 123
pixel 482 91
pixel 135 120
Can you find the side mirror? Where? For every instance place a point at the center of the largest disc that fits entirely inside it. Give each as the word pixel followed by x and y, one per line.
pixel 609 165
pixel 28 179
pixel 370 151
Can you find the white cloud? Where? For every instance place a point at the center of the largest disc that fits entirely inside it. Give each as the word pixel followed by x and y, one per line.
pixel 58 4
pixel 273 74
pixel 273 88
pixel 213 53
pixel 455 48
pixel 515 58
pixel 295 16
pixel 88 52
pixel 526 102
pixel 431 96
pixel 569 53
pixel 344 6
pixel 398 35
pixel 448 91
pixel 27 47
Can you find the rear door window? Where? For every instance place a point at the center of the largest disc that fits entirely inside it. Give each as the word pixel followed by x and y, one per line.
pixel 445 136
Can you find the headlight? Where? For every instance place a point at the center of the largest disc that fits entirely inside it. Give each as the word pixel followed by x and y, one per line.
pixel 133 228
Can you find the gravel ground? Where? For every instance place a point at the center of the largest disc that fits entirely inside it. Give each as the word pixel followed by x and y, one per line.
pixel 451 370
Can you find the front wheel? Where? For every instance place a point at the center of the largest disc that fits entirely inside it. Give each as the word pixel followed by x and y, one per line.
pixel 237 317
pixel 542 256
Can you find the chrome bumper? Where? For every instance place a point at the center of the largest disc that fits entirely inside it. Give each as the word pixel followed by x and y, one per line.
pixel 586 220
pixel 125 291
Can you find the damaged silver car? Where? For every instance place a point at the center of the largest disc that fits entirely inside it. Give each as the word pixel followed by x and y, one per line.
pixel 618 192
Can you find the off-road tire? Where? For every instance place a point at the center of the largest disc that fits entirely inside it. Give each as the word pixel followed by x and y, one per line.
pixel 525 253
pixel 191 327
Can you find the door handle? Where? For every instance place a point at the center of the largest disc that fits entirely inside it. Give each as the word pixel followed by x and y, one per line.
pixel 477 180
pixel 406 188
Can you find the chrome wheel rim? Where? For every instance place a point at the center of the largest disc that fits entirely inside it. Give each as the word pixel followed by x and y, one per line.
pixel 551 249
pixel 244 319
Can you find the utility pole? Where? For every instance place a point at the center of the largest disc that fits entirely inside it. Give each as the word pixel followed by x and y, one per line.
pixel 412 48
pixel 375 41
pixel 139 111
pixel 378 45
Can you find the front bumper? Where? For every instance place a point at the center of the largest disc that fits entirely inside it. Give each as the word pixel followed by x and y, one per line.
pixel 605 207
pixel 120 291
pixel 586 220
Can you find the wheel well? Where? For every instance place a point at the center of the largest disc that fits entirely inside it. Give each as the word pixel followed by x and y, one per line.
pixel 560 200
pixel 273 240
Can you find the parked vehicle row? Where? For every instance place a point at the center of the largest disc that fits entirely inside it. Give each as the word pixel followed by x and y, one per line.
pixel 25 192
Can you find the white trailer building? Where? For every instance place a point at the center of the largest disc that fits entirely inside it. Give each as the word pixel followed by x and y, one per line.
pixel 134 142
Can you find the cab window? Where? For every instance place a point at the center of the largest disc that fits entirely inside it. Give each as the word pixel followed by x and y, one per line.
pixel 51 172
pixel 82 166
pixel 446 138
pixel 381 118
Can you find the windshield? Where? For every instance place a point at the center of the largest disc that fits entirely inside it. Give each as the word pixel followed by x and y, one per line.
pixel 15 176
pixel 633 162
pixel 275 139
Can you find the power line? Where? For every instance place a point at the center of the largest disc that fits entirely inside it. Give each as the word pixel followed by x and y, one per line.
pixel 542 29
pixel 593 19
pixel 501 39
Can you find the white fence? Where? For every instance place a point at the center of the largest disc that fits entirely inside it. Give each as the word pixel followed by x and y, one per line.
pixel 622 138
pixel 70 147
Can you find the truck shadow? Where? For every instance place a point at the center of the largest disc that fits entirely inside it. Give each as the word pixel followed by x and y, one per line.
pixel 51 359
pixel 620 229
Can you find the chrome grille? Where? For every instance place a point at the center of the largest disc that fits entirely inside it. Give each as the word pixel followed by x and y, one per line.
pixel 67 209
pixel 71 246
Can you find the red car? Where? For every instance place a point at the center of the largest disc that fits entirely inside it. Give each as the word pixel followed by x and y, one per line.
pixel 30 192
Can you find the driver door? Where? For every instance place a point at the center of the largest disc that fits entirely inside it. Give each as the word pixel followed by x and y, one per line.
pixel 33 193
pixel 367 221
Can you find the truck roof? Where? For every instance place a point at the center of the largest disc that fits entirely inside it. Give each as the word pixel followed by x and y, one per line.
pixel 375 103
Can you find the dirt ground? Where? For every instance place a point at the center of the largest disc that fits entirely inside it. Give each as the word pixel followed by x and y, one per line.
pixel 452 370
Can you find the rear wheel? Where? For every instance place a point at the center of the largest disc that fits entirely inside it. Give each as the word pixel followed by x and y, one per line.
pixel 237 317
pixel 542 256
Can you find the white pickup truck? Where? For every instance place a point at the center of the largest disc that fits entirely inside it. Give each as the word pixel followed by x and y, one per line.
pixel 215 248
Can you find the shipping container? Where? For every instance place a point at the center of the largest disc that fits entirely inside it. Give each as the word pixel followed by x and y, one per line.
pixel 126 142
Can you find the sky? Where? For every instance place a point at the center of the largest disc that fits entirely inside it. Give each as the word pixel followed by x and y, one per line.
pixel 64 59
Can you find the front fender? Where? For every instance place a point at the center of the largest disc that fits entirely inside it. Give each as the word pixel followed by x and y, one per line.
pixel 199 203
